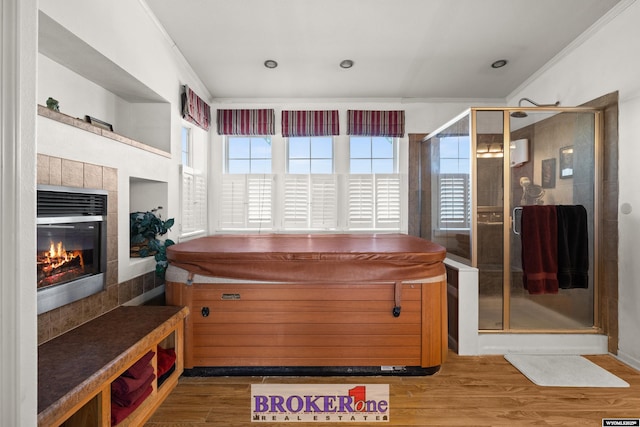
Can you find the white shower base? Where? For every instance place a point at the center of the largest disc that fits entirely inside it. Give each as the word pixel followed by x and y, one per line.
pixel 472 342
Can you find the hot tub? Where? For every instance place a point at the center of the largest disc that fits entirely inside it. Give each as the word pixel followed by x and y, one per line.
pixel 317 303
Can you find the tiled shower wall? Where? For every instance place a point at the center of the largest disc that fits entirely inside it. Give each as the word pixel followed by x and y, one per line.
pixel 69 173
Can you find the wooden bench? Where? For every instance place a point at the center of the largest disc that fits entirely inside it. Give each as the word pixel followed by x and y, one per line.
pixel 76 369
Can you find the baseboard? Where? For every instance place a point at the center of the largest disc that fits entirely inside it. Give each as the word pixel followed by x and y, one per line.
pixel 628 360
pixel 525 343
pixel 141 299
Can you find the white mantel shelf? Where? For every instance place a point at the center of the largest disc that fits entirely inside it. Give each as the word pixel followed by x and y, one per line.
pixel 81 124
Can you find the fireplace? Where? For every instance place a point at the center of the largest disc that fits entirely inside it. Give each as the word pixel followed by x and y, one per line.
pixel 71 244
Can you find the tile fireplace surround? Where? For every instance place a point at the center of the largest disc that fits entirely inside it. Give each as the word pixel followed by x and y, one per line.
pixel 69 173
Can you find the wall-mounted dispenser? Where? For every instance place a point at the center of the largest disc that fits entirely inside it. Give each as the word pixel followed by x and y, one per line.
pixel 518 152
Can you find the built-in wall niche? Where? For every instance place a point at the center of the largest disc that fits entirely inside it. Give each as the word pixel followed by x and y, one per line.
pixel 86 83
pixel 148 195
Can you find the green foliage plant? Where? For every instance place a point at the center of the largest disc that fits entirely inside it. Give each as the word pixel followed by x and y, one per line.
pixel 145 228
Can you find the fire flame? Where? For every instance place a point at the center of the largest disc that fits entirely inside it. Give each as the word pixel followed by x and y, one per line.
pixel 57 256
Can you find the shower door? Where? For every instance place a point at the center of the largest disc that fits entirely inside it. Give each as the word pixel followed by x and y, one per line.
pixel 560 174
pixel 550 160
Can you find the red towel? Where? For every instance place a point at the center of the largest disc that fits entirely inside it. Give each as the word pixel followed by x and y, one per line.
pixel 539 237
pixel 166 359
pixel 137 369
pixel 132 396
pixel 122 385
pixel 119 413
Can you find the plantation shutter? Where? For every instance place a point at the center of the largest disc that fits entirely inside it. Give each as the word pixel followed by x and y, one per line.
pixel 296 201
pixel 232 204
pixel 360 201
pixel 194 202
pixel 259 200
pixel 454 205
pixel 374 201
pixel 387 194
pixel 246 201
pixel 324 202
pixel 310 202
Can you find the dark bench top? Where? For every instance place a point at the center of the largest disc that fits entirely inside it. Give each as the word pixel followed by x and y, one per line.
pixel 80 361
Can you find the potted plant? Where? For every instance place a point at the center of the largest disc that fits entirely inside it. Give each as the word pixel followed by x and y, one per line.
pixel 145 228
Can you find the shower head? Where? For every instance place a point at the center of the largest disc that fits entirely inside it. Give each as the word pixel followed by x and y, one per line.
pixel 521 114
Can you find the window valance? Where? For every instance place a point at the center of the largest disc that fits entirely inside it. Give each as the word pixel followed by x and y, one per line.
pixel 246 122
pixel 195 109
pixel 375 123
pixel 310 123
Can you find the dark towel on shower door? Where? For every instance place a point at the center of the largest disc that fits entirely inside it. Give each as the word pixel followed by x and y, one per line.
pixel 573 247
pixel 539 237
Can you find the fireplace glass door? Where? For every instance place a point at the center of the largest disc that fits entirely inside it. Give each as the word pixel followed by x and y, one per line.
pixel 67 251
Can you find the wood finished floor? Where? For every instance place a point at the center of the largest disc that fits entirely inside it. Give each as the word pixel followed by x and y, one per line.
pixel 468 391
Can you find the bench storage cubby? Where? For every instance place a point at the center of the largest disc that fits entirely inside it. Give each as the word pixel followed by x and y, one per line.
pixel 77 370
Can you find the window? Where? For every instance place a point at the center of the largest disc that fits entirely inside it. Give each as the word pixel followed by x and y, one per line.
pixel 453 183
pixel 310 183
pixel 310 199
pixel 373 192
pixel 248 154
pixel 310 155
pixel 193 194
pixel 193 202
pixel 247 186
pixel 186 147
pixel 372 154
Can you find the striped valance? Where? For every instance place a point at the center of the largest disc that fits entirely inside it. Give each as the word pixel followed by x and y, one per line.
pixel 246 122
pixel 195 110
pixel 310 123
pixel 375 123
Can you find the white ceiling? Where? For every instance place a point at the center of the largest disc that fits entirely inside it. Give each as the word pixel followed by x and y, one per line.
pixel 401 48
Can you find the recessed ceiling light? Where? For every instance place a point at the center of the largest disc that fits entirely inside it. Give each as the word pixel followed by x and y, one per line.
pixel 499 63
pixel 270 63
pixel 347 63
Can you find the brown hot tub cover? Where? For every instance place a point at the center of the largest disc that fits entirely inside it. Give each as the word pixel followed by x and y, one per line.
pixel 310 257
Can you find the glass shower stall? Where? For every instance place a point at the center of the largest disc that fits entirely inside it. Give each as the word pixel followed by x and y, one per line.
pixel 485 176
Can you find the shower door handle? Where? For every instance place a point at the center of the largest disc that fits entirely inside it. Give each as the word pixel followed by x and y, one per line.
pixel 513 220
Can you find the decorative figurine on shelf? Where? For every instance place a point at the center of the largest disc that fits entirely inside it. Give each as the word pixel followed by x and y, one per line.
pixel 53 104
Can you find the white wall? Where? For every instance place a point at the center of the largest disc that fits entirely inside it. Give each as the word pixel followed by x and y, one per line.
pixel 18 326
pixel 125 34
pixel 603 61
